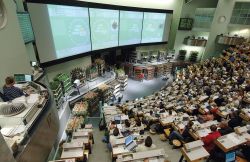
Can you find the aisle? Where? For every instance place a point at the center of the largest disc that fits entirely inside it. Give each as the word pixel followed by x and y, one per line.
pixel 100 152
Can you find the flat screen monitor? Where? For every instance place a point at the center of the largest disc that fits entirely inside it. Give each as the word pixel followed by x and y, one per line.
pixel 129 140
pixel 117 119
pixel 20 78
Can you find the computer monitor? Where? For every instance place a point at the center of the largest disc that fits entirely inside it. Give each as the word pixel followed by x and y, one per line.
pixel 117 119
pixel 20 78
pixel 230 156
pixel 129 140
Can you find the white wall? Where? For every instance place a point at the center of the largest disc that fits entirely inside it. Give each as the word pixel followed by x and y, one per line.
pixel 158 4
pixel 14 58
pixel 188 10
pixel 224 8
pixel 240 31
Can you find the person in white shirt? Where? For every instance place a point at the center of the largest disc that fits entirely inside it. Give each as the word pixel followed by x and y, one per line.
pixel 147 146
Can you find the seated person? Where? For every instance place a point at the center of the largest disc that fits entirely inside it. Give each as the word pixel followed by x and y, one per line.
pixel 112 138
pixel 10 91
pixel 139 125
pixel 109 131
pixel 148 145
pixel 127 124
pixel 183 135
pixel 224 128
pixel 240 80
pixel 247 88
pixel 219 101
pixel 246 149
pixel 161 105
pixel 209 139
pixel 111 127
pixel 235 120
pixel 206 117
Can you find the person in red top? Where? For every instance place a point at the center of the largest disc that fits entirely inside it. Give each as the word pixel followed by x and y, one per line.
pixel 210 138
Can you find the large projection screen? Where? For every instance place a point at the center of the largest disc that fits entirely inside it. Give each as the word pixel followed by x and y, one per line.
pixel 153 27
pixel 104 25
pixel 63 31
pixel 130 27
pixel 60 31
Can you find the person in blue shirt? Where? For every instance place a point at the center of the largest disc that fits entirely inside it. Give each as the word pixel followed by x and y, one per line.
pixel 10 91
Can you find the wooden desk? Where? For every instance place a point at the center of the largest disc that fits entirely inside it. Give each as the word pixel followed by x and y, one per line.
pixel 208 124
pixel 231 141
pixel 223 114
pixel 80 134
pixel 159 153
pixel 199 133
pixel 167 121
pixel 75 153
pixel 118 151
pixel 245 114
pixel 196 155
pixel 202 111
pixel 203 98
pixel 90 132
pixel 73 144
pixel 203 132
pixel 64 160
pixel 85 141
pixel 193 134
pixel 73 150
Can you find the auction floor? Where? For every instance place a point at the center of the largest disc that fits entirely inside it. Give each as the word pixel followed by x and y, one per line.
pixel 135 89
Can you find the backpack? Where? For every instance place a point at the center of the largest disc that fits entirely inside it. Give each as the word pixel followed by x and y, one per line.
pixel 101 125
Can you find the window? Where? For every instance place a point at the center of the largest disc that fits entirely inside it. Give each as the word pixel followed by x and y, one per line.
pixel 241 13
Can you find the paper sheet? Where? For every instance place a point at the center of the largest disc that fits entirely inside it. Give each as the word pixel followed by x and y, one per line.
pixel 233 139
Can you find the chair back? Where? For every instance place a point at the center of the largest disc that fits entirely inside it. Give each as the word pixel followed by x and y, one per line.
pixel 3 97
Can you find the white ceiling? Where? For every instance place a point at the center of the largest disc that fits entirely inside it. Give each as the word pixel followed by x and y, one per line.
pixel 157 4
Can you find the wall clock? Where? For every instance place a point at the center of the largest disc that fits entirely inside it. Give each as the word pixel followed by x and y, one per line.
pixel 222 19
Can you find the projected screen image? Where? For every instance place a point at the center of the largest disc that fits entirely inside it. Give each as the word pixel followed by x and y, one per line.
pixel 70 30
pixel 130 27
pixel 153 27
pixel 104 25
pixel 64 31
